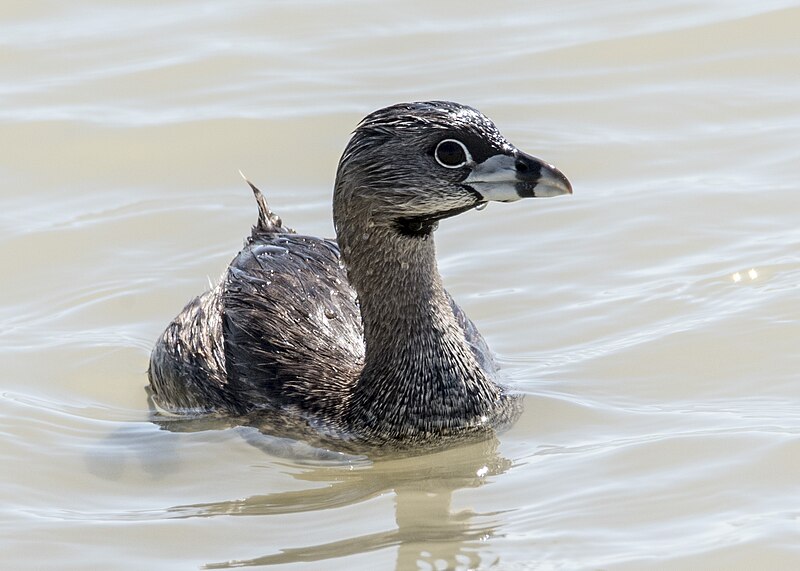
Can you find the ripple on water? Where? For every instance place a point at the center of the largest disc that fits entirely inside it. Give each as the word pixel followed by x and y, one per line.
pixel 651 319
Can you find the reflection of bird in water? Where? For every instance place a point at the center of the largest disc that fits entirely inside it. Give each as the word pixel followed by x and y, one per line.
pixel 426 527
pixel 357 338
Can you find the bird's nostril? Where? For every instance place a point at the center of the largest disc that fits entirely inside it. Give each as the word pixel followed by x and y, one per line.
pixel 521 167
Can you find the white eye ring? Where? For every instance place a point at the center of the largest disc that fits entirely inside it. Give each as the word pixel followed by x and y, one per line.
pixel 467 155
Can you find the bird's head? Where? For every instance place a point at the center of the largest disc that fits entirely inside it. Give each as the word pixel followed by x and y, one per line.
pixel 412 164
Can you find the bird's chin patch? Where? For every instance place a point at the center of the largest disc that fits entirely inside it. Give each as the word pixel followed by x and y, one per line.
pixel 423 226
pixel 415 227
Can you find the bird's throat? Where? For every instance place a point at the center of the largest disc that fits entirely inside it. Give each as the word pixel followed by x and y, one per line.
pixel 418 364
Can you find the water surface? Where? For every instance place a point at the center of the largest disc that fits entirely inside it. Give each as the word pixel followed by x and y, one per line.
pixel 652 319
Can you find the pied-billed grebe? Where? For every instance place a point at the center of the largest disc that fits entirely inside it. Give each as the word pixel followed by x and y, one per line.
pixel 357 337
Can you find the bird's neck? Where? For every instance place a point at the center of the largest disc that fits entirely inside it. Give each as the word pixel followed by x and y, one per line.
pixel 400 291
pixel 419 372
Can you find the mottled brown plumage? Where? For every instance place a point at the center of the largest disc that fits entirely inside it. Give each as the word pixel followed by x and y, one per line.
pixel 362 345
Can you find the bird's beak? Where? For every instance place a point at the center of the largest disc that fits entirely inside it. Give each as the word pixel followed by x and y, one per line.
pixel 509 177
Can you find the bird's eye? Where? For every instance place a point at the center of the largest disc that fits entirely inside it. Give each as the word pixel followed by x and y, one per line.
pixel 451 154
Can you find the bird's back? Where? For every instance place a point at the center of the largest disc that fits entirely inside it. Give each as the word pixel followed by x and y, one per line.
pixel 291 324
pixel 281 329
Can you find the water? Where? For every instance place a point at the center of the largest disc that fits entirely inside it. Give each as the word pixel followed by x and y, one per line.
pixel 653 318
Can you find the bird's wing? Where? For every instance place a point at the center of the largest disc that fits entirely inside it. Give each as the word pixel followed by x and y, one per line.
pixel 290 321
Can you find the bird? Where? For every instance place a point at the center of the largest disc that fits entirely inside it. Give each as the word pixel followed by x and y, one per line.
pixel 356 339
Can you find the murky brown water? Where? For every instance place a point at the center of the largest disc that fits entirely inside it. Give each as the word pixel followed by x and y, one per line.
pixel 653 318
